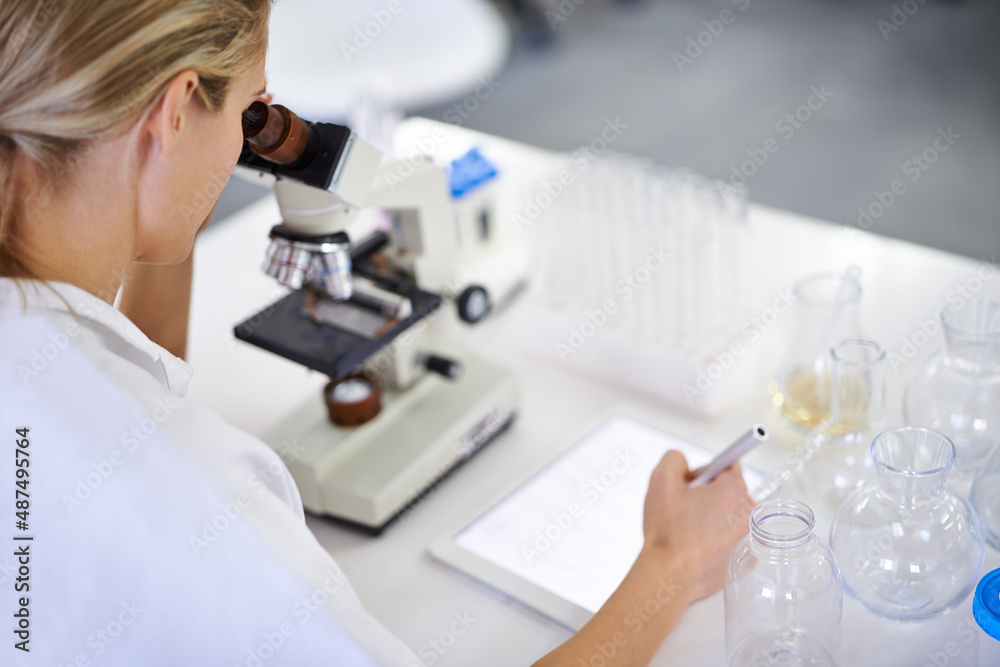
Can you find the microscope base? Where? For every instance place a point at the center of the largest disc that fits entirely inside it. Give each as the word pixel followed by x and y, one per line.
pixel 368 475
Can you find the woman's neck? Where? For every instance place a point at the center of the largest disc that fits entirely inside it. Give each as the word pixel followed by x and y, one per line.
pixel 81 231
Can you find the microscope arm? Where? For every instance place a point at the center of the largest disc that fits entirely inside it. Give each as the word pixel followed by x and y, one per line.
pixel 424 225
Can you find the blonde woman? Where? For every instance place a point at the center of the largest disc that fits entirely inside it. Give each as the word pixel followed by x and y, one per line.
pixel 147 530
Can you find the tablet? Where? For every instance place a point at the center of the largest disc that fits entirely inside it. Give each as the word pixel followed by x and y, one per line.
pixel 563 540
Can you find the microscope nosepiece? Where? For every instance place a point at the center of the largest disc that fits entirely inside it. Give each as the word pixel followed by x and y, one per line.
pixel 324 262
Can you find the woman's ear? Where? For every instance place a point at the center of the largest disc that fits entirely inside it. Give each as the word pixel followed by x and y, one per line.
pixel 164 121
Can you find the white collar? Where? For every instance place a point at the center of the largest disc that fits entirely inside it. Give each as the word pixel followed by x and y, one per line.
pixel 120 335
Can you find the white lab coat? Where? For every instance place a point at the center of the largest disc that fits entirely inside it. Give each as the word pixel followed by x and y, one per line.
pixel 162 535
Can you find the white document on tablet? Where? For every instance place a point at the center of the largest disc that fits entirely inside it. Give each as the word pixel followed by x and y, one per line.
pixel 562 541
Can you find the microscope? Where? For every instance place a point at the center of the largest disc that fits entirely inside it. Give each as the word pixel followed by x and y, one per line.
pixel 379 312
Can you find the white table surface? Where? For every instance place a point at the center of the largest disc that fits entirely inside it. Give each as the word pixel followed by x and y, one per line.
pixel 410 62
pixel 416 597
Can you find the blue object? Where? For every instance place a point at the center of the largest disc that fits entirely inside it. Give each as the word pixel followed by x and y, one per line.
pixel 469 172
pixel 986 604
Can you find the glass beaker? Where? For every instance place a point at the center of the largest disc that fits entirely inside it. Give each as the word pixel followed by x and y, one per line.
pixel 908 547
pixel 783 592
pixel 836 458
pixel 826 310
pixel 957 392
pixel 986 499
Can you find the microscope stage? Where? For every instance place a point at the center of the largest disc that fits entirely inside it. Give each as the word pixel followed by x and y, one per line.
pixel 282 328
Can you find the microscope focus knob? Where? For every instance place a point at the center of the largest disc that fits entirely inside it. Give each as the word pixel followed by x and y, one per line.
pixel 474 304
pixel 443 366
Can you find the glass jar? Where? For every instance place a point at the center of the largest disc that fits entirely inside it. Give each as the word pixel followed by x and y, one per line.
pixel 783 592
pixel 957 392
pixel 826 310
pixel 986 499
pixel 908 547
pixel 836 458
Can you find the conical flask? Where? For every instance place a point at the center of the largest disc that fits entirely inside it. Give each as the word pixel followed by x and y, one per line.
pixel 826 310
pixel 836 457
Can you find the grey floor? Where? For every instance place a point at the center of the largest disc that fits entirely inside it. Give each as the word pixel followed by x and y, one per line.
pixel 888 98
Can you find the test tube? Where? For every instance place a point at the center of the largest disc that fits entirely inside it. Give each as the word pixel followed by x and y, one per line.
pixel 603 228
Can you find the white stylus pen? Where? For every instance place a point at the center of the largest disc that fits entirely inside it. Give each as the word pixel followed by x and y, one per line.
pixel 730 455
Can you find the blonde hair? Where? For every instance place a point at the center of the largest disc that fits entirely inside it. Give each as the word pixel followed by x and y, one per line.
pixel 74 71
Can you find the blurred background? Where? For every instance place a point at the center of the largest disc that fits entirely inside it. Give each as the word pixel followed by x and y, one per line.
pixel 819 106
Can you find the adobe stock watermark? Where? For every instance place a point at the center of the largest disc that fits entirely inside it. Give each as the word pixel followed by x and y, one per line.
pixel 785 127
pixel 308 605
pixel 635 620
pixel 590 492
pixel 927 328
pixel 794 460
pixel 365 34
pixel 257 320
pixel 703 40
pixel 910 345
pixel 627 286
pixel 8 568
pixel 420 154
pixel 130 440
pixel 42 356
pixel 229 512
pixel 751 331
pixel 462 450
pixel 969 289
pixel 424 148
pixel 462 111
pixel 38 22
pixel 206 197
pixel 102 639
pixel 740 520
pixel 435 647
pixel 302 610
pixel 961 643
pixel 900 14
pixel 55 342
pixel 877 548
pixel 427 313
pixel 271 642
pixel 138 97
pixel 774 653
pixel 913 169
pixel 580 160
pixel 562 12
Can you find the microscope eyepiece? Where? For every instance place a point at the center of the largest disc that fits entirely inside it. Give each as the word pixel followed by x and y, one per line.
pixel 275 133
pixel 254 119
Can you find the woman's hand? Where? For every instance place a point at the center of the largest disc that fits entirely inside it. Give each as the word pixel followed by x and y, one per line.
pixel 695 528
pixel 690 535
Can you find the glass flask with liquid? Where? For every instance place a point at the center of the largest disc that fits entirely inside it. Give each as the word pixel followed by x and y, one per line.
pixel 908 547
pixel 826 310
pixel 957 392
pixel 783 592
pixel 836 457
